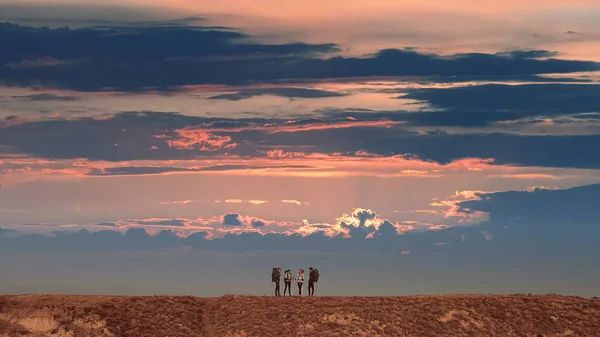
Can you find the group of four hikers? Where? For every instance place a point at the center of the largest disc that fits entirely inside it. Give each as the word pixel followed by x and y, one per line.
pixel 313 277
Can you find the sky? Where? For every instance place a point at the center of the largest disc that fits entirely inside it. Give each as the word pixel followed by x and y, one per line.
pixel 401 147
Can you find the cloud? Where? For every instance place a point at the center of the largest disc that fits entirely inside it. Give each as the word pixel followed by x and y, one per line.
pixel 541 208
pixel 257 223
pixel 200 140
pixel 169 57
pixel 178 202
pixel 361 218
pixel 158 136
pixel 162 222
pixel 131 170
pixel 282 92
pixel 153 170
pixel 295 202
pixel 528 54
pixel 479 105
pixel 86 14
pixel 534 221
pixel 47 98
pixel 231 219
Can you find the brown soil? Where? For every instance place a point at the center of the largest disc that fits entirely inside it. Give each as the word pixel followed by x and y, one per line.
pixel 235 315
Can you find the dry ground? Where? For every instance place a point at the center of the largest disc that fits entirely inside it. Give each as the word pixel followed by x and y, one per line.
pixel 235 315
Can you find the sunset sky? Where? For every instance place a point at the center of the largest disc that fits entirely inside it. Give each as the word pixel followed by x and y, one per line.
pixel 448 146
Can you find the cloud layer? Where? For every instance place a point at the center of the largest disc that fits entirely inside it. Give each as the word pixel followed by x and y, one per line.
pixel 166 57
pixel 537 219
pixel 170 136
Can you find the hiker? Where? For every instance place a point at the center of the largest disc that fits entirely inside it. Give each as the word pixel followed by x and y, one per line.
pixel 300 279
pixel 276 277
pixel 287 279
pixel 313 277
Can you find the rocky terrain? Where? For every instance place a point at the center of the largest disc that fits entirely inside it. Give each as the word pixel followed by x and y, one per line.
pixel 237 315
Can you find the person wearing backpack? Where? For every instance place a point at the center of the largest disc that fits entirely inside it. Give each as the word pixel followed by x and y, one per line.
pixel 276 278
pixel 313 277
pixel 300 279
pixel 287 280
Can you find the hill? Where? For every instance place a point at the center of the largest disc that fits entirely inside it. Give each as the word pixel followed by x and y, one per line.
pixel 236 315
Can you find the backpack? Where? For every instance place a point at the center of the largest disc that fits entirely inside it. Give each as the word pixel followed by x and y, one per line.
pixel 274 275
pixel 316 271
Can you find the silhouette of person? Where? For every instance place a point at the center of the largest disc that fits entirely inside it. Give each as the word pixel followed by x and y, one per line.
pixel 287 279
pixel 311 281
pixel 300 279
pixel 277 280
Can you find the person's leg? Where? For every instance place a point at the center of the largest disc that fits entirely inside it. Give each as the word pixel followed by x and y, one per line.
pixel 277 289
pixel 285 288
pixel 289 284
pixel 299 288
pixel 310 288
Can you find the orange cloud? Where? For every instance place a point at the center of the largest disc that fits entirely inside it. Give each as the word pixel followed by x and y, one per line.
pixel 438 227
pixel 465 215
pixel 204 135
pixel 239 201
pixel 179 202
pixel 296 202
pixel 206 141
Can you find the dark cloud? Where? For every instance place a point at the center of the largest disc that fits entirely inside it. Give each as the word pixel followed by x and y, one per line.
pixel 88 14
pixel 7 232
pixel 481 105
pixel 478 105
pixel 258 223
pixel 141 44
pixel 46 97
pixel 146 170
pixel 542 208
pixel 166 57
pixel 232 219
pixel 107 224
pixel 168 222
pixel 528 54
pixel 441 147
pixel 432 79
pixel 282 92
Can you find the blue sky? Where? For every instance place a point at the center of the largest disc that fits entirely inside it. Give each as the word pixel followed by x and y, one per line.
pixel 145 142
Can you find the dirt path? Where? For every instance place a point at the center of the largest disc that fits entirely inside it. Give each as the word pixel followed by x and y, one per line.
pixel 208 319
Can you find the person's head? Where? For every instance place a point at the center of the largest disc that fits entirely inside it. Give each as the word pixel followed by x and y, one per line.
pixel 300 271
pixel 279 269
pixel 310 269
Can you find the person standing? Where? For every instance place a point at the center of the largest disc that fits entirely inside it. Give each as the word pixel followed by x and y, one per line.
pixel 287 279
pixel 300 279
pixel 276 278
pixel 312 279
